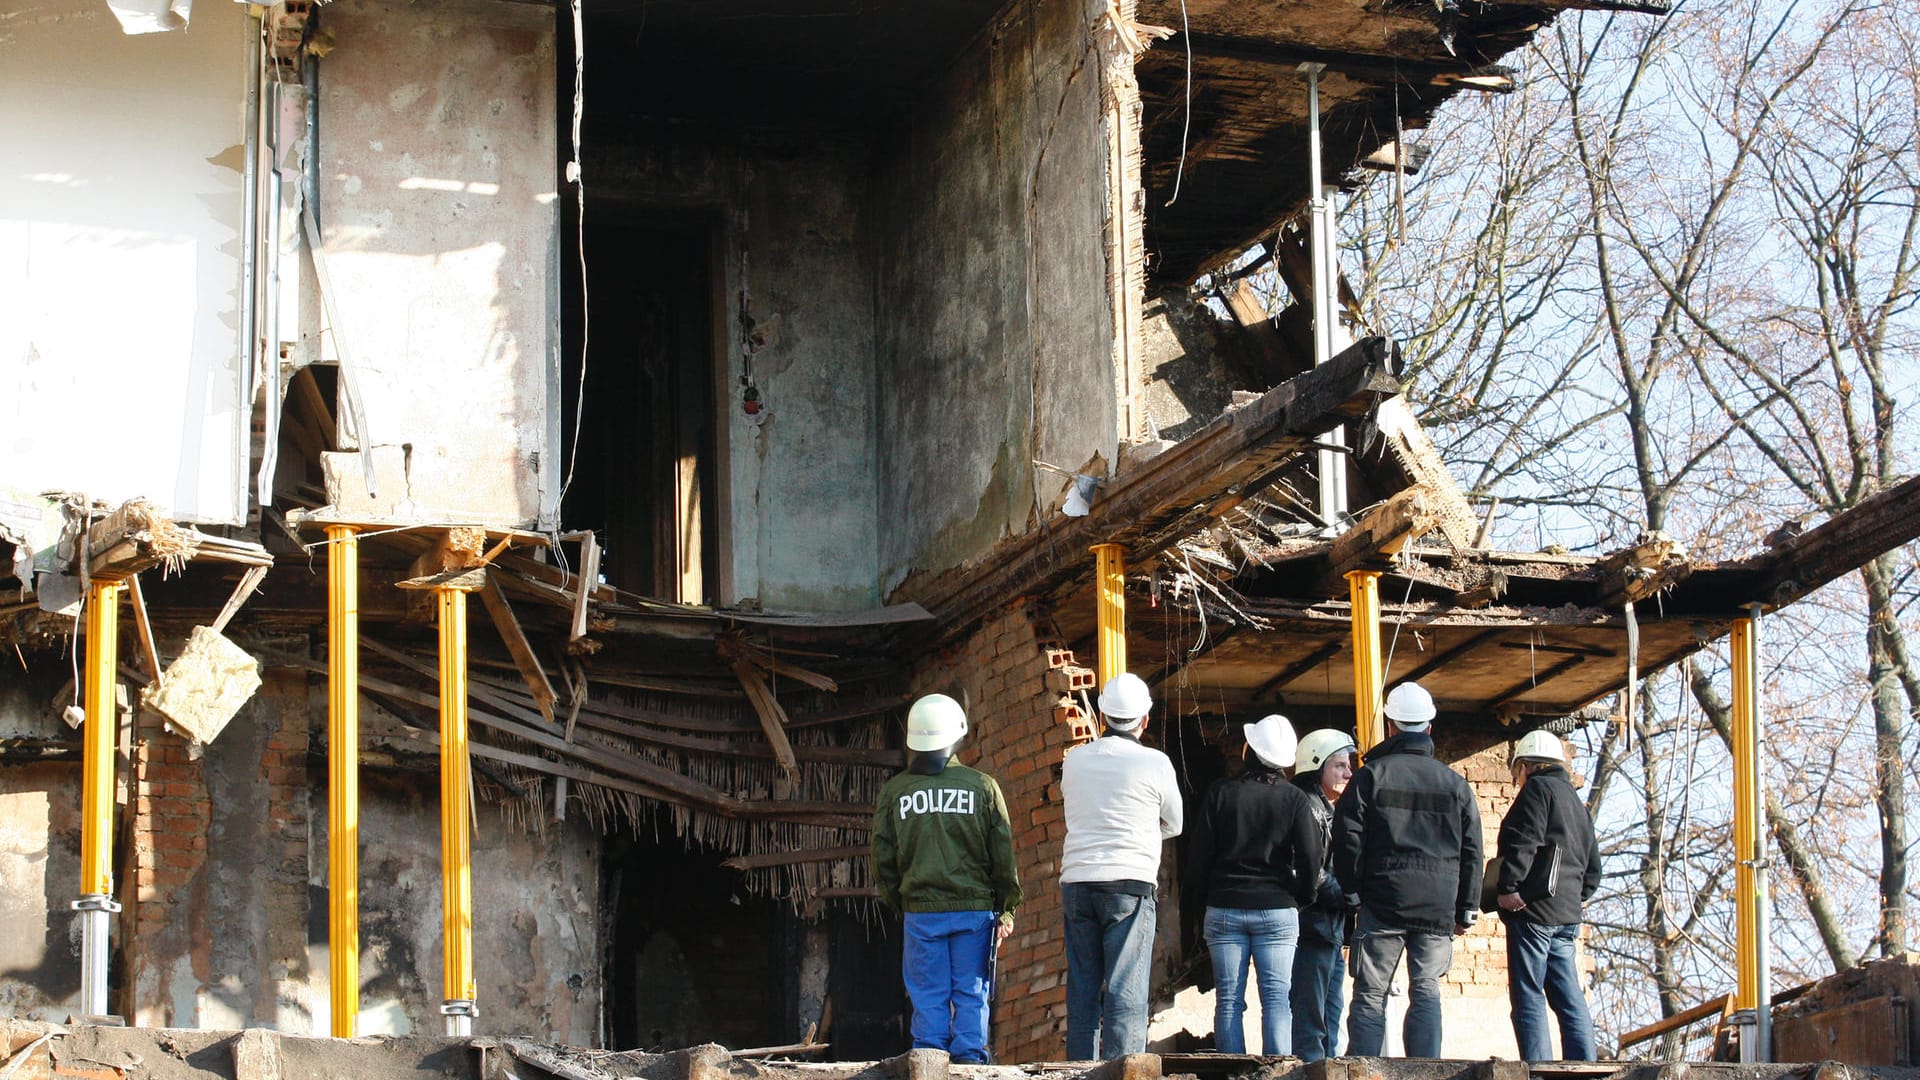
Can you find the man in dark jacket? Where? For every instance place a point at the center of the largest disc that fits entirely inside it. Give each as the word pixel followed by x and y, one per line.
pixel 1406 841
pixel 1549 869
pixel 943 855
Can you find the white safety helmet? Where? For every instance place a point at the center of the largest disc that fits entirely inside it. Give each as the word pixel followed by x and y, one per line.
pixel 1410 707
pixel 1125 700
pixel 1316 747
pixel 934 723
pixel 1540 746
pixel 1272 741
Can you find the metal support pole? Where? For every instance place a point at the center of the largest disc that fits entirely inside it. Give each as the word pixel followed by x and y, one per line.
pixel 456 844
pixel 343 779
pixel 1110 588
pixel 96 794
pixel 1363 588
pixel 1751 992
pixel 1326 280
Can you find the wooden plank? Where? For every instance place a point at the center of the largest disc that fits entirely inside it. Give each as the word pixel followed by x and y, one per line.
pixel 773 719
pixel 144 627
pixel 1172 496
pixel 249 581
pixel 589 576
pixel 520 649
pixel 1382 531
pixel 1413 455
pixel 790 858
pixel 1841 544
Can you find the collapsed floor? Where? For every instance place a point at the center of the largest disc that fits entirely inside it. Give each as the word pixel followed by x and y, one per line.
pixel 37 1051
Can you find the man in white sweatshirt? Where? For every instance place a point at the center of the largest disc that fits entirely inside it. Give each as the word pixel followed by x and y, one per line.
pixel 1121 802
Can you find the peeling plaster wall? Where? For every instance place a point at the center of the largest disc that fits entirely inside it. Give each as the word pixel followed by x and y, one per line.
pixel 536 900
pixel 797 280
pixel 437 206
pixel 996 341
pixel 120 193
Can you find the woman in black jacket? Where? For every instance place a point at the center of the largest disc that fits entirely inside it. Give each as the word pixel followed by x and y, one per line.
pixel 1257 857
pixel 1319 971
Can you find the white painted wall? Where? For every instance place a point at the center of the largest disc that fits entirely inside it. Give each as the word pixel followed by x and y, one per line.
pixel 121 368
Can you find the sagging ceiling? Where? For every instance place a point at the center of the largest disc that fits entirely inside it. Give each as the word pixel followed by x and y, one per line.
pixel 1239 161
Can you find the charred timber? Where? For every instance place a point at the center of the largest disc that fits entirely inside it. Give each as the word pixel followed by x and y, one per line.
pixel 1173 496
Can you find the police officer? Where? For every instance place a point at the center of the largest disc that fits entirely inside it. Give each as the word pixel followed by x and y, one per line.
pixel 943 856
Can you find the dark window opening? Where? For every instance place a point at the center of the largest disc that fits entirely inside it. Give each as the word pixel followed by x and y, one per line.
pixel 643 466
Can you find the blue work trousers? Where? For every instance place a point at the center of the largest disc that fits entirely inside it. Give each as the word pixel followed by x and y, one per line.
pixel 1377 949
pixel 1319 998
pixel 1541 972
pixel 1109 970
pixel 947 961
pixel 1264 938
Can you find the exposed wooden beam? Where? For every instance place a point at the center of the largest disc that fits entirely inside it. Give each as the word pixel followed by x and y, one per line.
pixel 1170 497
pixel 1840 545
pixel 1380 533
pixel 1447 656
pixel 1633 574
pixel 773 718
pixel 1533 680
pixel 519 648
pixel 1364 67
pixel 1300 667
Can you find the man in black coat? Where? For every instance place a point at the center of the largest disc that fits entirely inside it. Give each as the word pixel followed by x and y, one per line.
pixel 1549 869
pixel 1406 841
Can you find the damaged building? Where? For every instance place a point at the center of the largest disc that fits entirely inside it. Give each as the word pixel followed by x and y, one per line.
pixel 485 479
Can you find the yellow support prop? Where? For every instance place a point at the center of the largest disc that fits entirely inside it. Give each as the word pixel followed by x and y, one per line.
pixel 98 738
pixel 1363 587
pixel 343 779
pixel 1110 587
pixel 456 846
pixel 1750 885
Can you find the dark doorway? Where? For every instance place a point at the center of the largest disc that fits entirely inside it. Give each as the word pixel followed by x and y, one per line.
pixel 643 474
pixel 694 959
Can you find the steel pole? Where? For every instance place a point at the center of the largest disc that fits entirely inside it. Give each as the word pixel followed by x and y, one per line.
pixel 96 794
pixel 1363 588
pixel 1110 588
pixel 343 779
pixel 456 848
pixel 1750 864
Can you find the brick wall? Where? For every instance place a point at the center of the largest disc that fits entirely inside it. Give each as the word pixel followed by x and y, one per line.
pixel 218 899
pixel 1013 680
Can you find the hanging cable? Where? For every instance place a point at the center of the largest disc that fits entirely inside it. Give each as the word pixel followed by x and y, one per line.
pixel 1186 126
pixel 576 177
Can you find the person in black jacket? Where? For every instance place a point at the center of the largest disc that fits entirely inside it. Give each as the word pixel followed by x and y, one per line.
pixel 1406 840
pixel 1323 769
pixel 1257 858
pixel 1549 869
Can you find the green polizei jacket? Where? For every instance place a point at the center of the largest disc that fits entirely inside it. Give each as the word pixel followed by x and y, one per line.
pixel 942 842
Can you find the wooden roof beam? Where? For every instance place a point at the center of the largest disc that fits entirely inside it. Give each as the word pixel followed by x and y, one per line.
pixel 1174 495
pixel 1363 67
pixel 1841 544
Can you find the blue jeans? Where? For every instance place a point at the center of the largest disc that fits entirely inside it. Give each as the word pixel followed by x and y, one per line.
pixel 1376 953
pixel 1265 937
pixel 945 960
pixel 1319 997
pixel 1541 972
pixel 1109 970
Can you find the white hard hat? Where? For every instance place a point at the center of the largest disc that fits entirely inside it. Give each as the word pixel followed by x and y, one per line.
pixel 1317 746
pixel 934 723
pixel 1272 741
pixel 1124 700
pixel 1540 746
pixel 1410 706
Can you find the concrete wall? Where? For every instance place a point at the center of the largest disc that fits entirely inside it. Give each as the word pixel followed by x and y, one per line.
pixel 536 933
pixel 797 289
pixel 995 333
pixel 437 204
pixel 120 194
